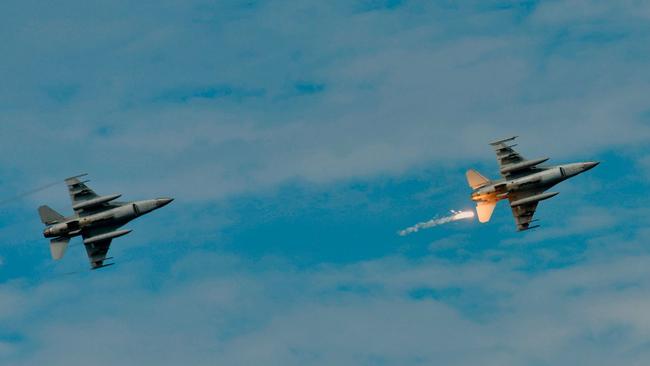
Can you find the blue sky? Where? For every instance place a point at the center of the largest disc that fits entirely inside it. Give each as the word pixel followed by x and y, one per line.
pixel 297 138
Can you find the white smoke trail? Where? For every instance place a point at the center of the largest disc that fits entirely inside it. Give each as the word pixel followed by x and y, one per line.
pixel 455 216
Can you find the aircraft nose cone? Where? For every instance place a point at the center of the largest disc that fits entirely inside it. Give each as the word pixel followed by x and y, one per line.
pixel 163 201
pixel 591 164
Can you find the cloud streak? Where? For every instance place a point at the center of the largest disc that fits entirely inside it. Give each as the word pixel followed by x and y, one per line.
pixel 355 101
pixel 392 310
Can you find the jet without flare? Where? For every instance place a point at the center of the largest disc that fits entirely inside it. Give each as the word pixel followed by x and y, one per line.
pixel 97 219
pixel 524 183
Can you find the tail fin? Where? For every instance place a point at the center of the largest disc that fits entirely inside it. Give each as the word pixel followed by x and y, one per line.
pixel 58 247
pixel 49 216
pixel 484 210
pixel 475 179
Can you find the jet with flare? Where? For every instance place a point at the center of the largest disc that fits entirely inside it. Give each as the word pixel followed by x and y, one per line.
pixel 523 183
pixel 97 219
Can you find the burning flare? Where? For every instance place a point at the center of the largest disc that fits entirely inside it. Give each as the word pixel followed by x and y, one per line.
pixel 455 216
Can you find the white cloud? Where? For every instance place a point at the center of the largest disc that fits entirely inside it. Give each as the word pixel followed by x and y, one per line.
pixel 243 313
pixel 400 90
pixel 124 91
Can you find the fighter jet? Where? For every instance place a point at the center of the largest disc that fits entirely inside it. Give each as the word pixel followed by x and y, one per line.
pixel 523 183
pixel 96 218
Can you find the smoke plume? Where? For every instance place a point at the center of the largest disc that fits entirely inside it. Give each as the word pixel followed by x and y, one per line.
pixel 437 221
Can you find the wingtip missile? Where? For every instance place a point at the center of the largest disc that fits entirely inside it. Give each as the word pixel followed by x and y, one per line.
pixel 529 228
pixel 96 267
pixel 503 140
pixel 76 176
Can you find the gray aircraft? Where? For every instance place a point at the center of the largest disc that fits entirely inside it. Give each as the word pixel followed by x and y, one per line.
pixel 523 183
pixel 96 218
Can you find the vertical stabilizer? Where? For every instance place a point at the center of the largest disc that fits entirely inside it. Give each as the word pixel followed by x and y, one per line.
pixel 58 247
pixel 484 211
pixel 475 179
pixel 49 216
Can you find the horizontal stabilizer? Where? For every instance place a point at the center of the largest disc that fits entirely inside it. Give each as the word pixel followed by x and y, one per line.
pixel 49 216
pixel 58 247
pixel 475 179
pixel 484 210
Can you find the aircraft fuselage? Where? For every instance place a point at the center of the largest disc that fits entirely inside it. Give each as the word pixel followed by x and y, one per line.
pixel 114 217
pixel 542 180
